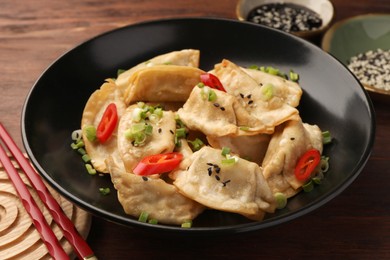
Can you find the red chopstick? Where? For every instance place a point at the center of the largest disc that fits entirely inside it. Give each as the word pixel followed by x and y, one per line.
pixel 47 235
pixel 70 232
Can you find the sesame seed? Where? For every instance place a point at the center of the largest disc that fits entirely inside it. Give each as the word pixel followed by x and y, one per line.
pixel 222 108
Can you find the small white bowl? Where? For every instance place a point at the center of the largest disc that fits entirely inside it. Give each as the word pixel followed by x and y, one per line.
pixel 323 7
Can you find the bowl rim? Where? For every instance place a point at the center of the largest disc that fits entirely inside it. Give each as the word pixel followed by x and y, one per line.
pixel 227 229
pixel 303 34
pixel 329 34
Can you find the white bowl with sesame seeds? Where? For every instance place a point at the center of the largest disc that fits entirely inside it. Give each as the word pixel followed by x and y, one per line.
pixel 304 18
pixel 362 43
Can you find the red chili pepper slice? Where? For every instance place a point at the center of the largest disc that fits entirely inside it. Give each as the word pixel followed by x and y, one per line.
pixel 107 123
pixel 306 164
pixel 212 81
pixel 158 163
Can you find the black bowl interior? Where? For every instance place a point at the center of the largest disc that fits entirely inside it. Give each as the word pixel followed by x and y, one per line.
pixel 332 99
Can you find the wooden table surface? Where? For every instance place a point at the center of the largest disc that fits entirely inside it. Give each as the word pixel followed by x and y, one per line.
pixel 354 225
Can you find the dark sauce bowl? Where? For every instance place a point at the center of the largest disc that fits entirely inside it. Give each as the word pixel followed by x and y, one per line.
pixel 324 8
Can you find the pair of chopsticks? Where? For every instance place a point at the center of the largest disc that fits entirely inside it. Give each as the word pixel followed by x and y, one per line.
pixel 55 249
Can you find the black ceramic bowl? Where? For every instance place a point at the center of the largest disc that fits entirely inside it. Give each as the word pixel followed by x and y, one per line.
pixel 332 99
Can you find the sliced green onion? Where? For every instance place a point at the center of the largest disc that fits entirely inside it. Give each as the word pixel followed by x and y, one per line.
pixel 229 161
pixel 272 71
pixel 119 72
pixel 78 145
pixel 158 112
pixel 143 217
pixel 196 144
pixel 225 151
pixel 90 132
pixel 86 158
pixel 181 132
pixel 90 169
pixel 294 76
pixel 212 96
pixel 187 224
pixel 324 164
pixel 318 178
pixel 77 135
pixel 254 67
pixel 200 85
pixel 153 221
pixel 281 200
pixel 148 130
pixel 104 191
pixel 268 91
pixel 244 128
pixel 307 187
pixel 81 151
pixel 326 137
pixel 141 104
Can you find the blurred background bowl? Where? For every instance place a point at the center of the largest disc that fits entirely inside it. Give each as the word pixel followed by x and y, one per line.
pixel 324 8
pixel 359 34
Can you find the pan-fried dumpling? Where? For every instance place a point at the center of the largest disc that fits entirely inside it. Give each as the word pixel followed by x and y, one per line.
pixel 288 90
pixel 186 57
pixel 160 200
pixel 251 148
pixel 143 131
pixel 289 142
pixel 220 117
pixel 265 103
pixel 92 114
pixel 239 188
pixel 212 118
pixel 162 83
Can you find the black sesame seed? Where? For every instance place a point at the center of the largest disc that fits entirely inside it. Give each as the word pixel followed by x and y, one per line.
pixel 159 130
pixel 217 169
pixel 242 95
pixel 222 108
pixel 210 171
pixel 171 132
pixel 217 177
pixel 216 104
pixel 145 178
pixel 250 102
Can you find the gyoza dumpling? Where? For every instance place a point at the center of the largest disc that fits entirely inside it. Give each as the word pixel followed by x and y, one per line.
pixel 265 103
pixel 186 57
pixel 92 114
pixel 162 83
pixel 152 133
pixel 239 188
pixel 252 148
pixel 160 200
pixel 287 90
pixel 289 142
pixel 220 117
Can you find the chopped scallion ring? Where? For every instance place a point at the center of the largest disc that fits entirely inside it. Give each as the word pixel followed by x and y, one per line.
pixel 225 151
pixel 281 200
pixel 326 137
pixel 187 224
pixel 104 191
pixel 143 217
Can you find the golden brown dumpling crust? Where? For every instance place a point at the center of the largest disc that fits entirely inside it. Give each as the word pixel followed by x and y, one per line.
pixel 162 83
pixel 161 140
pixel 268 108
pixel 160 200
pixel 289 142
pixel 92 114
pixel 239 188
pixel 186 57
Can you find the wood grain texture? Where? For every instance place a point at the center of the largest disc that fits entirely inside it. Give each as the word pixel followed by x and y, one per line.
pixel 18 237
pixel 355 225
